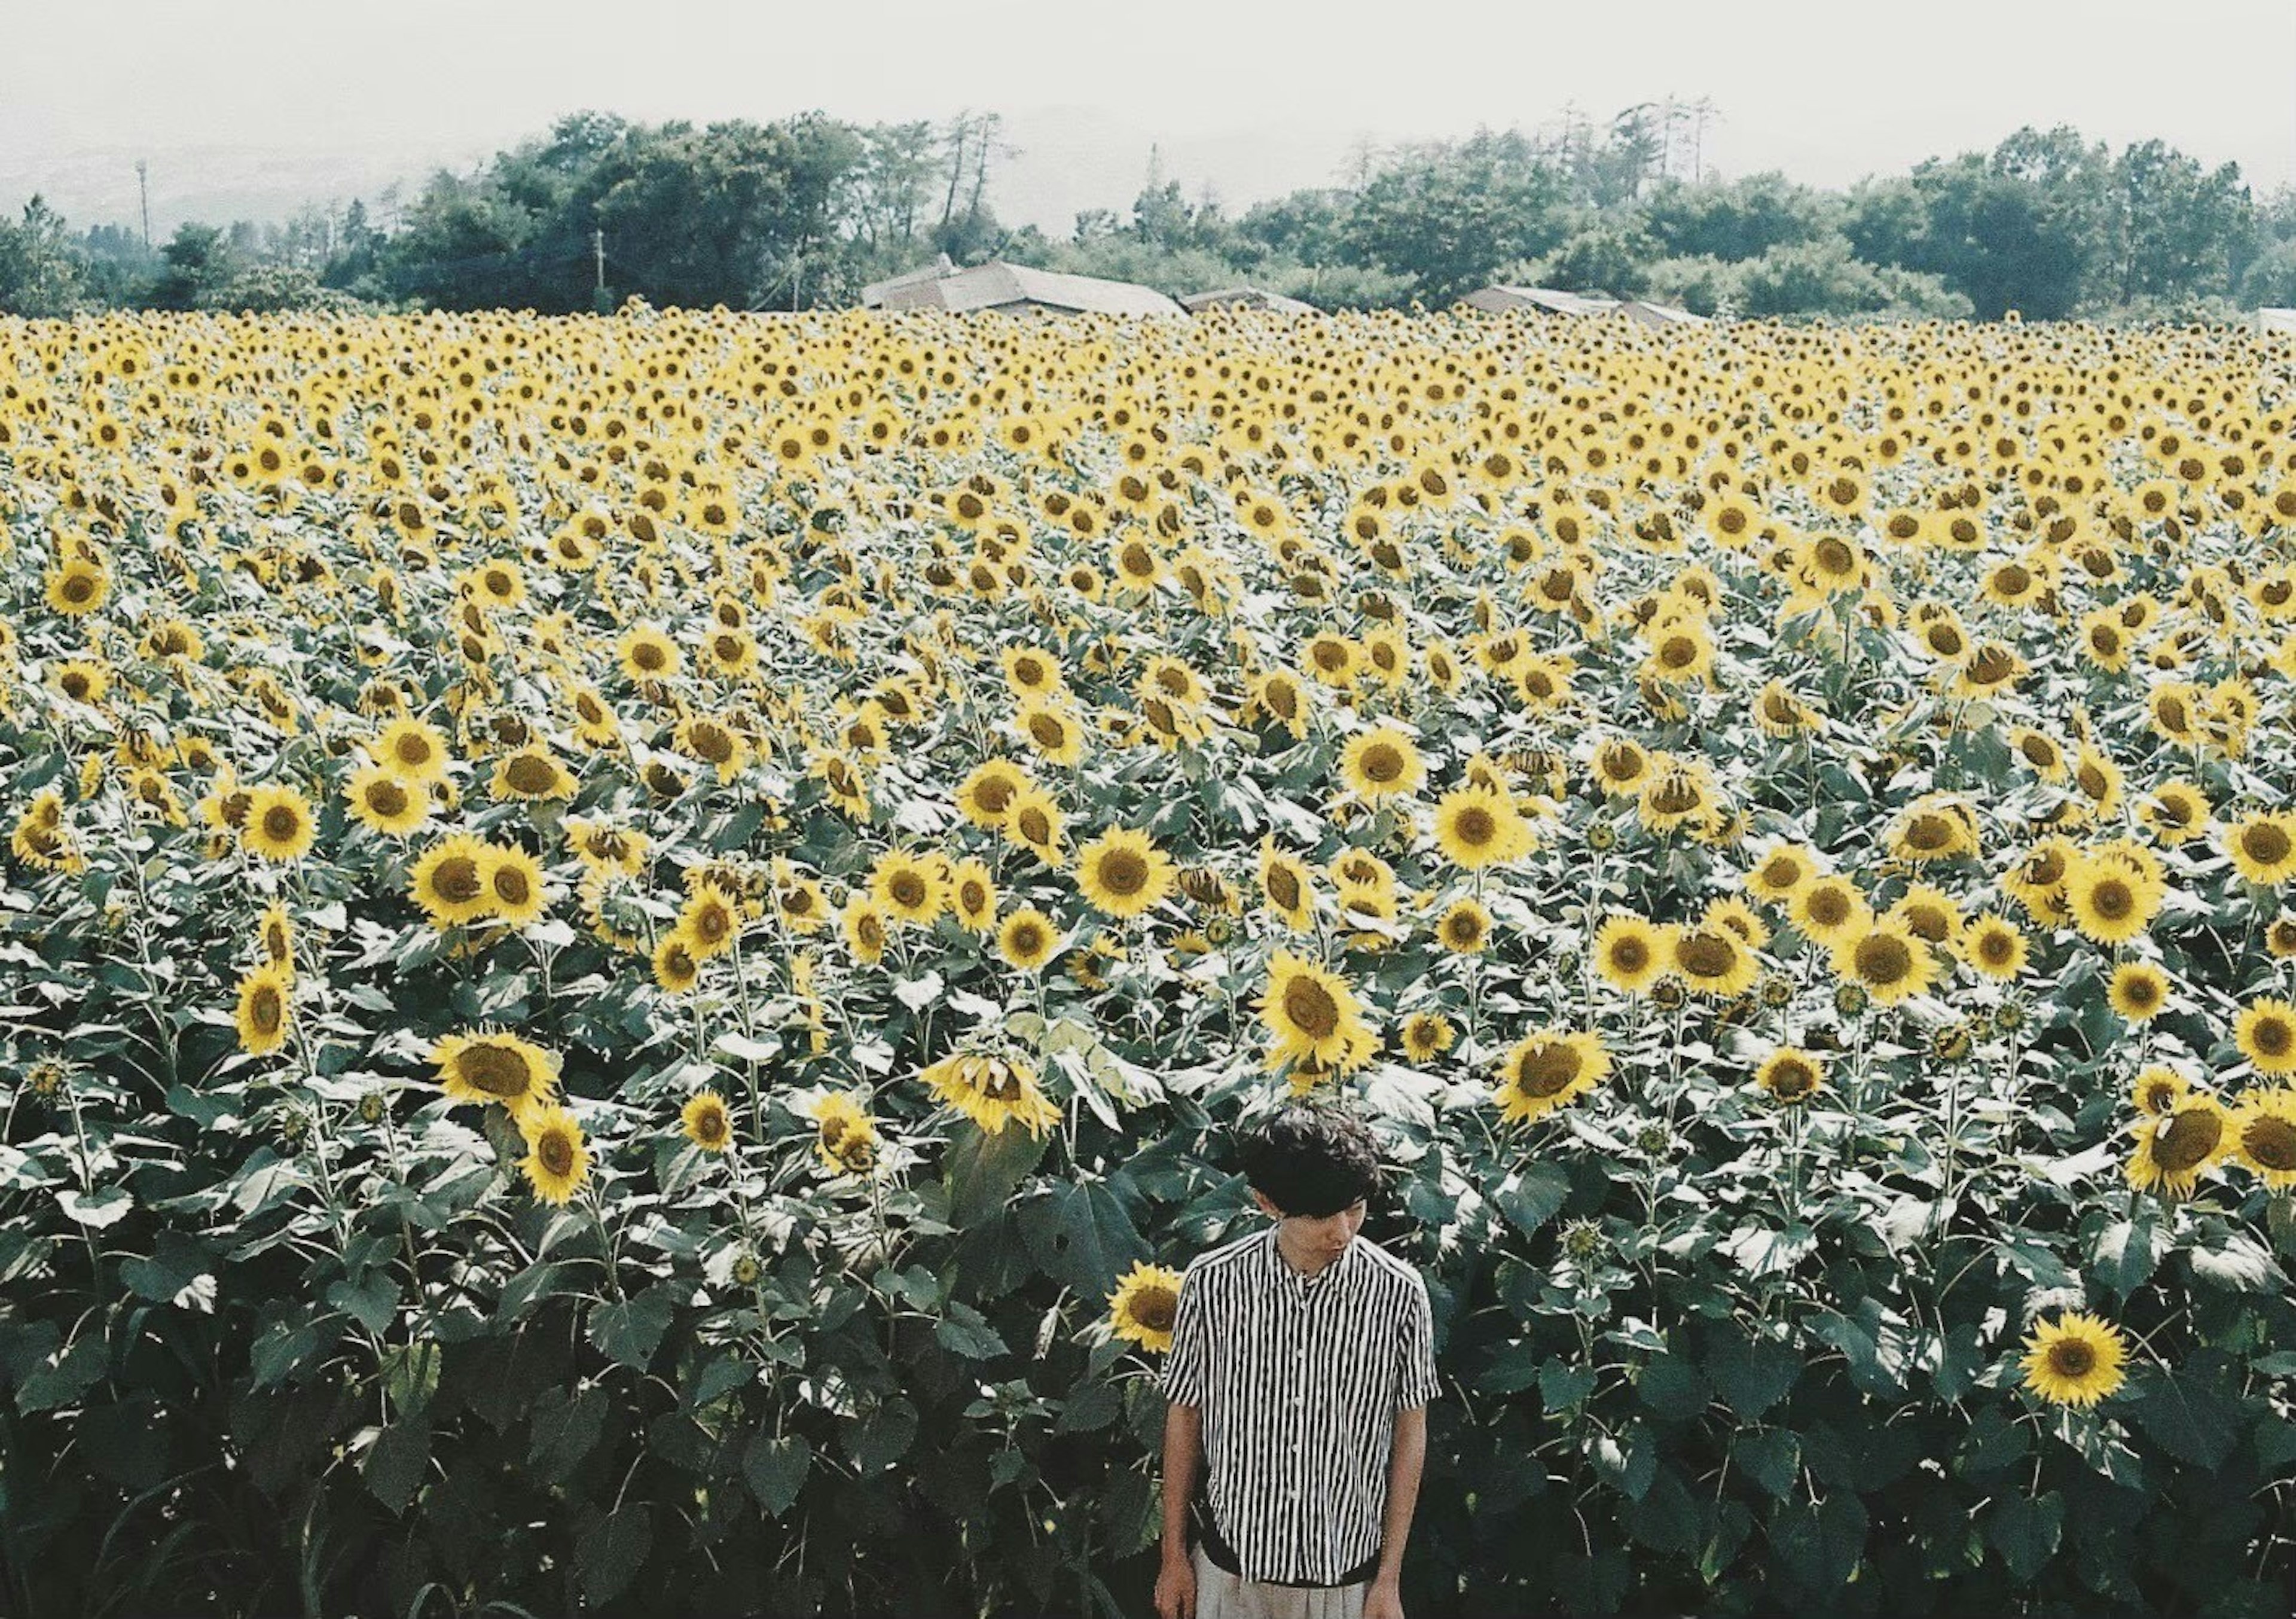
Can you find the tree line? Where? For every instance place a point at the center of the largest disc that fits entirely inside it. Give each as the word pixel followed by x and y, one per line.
pixel 803 212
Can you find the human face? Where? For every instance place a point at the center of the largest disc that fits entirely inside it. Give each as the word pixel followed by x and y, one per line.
pixel 1322 1237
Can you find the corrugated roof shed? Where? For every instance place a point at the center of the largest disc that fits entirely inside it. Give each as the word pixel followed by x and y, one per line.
pixel 2275 320
pixel 1498 300
pixel 1246 298
pixel 999 285
pixel 1659 315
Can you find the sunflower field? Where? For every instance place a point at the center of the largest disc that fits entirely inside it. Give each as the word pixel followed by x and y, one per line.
pixel 630 946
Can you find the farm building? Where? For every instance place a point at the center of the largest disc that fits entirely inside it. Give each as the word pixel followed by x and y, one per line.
pixel 1246 298
pixel 2269 321
pixel 1015 289
pixel 1550 301
pixel 1659 315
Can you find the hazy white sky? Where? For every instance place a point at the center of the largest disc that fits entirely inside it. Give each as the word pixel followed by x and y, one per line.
pixel 1251 96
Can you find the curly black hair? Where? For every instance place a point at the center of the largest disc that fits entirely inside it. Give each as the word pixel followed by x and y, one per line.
pixel 1314 1159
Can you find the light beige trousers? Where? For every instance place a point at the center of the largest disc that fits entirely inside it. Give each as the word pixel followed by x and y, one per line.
pixel 1221 1595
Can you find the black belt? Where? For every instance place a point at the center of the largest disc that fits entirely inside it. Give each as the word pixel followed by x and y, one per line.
pixel 1224 1558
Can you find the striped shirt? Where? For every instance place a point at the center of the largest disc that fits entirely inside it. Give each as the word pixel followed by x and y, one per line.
pixel 1299 1380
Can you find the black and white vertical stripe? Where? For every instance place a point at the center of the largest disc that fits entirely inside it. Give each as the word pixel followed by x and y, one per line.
pixel 1299 1380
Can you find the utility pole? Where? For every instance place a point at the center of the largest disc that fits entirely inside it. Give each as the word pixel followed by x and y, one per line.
pixel 143 193
pixel 598 252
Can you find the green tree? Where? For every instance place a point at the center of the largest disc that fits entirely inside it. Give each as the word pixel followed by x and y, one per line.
pixel 2179 229
pixel 41 275
pixel 200 260
pixel 1446 215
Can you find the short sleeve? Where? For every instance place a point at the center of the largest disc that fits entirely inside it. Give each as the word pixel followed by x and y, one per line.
pixel 1415 1366
pixel 1183 1365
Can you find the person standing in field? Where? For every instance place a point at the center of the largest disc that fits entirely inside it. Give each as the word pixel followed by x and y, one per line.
pixel 1302 1360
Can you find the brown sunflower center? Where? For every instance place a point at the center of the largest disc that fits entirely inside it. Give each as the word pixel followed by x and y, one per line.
pixel 2187 1139
pixel 1547 1068
pixel 2263 843
pixel 1884 959
pixel 2072 1358
pixel 499 1071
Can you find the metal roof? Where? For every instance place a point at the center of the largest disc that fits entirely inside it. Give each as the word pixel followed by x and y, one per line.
pixel 997 285
pixel 1497 300
pixel 1659 315
pixel 1246 298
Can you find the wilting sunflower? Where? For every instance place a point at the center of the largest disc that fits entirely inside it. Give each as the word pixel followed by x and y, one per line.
pixel 1477 828
pixel 2075 1359
pixel 866 929
pixel 2174 1150
pixel 2264 1136
pixel 1312 1013
pixel 279 824
pixel 262 1012
pixel 1381 764
pixel 1888 960
pixel 1548 1068
pixel 709 1123
pixel 487 1066
pixel 908 888
pixel 992 1091
pixel 449 880
pixel 845 1137
pixel 557 1156
pixel 2263 846
pixel 1631 952
pixel 2138 992
pixel 1465 928
pixel 1791 1074
pixel 2266 1032
pixel 1144 1305
pixel 1123 872
pixel 275 933
pixel 390 804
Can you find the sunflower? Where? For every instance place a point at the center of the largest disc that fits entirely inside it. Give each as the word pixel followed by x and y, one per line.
pixel 866 929
pixel 2109 903
pixel 1829 910
pixel 2263 846
pixel 1791 1074
pixel 516 891
pixel 1631 952
pixel 449 880
pixel 78 587
pixel 2075 1359
pixel 985 796
pixel 1027 938
pixel 709 1124
pixel 1427 1035
pixel 1288 886
pixel 486 1066
pixel 647 653
pixel 676 967
pixel 1123 872
pixel 1037 824
pixel 1783 871
pixel 274 932
pixel 1381 764
pixel 2175 1148
pixel 381 798
pixel 2139 991
pixel 532 773
pixel 279 824
pixel 1311 1012
pixel 1994 946
pixel 1465 928
pixel 1144 1305
pixel 908 888
pixel 1053 731
pixel 992 1091
pixel 1930 914
pixel 411 750
pixel 1547 1069
pixel 1478 827
pixel 1887 959
pixel 557 1157
pixel 2264 1136
pixel 2175 811
pixel 972 894
pixel 2157 1089
pixel 2266 1032
pixel 262 1015
pixel 710 921
pixel 845 1136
